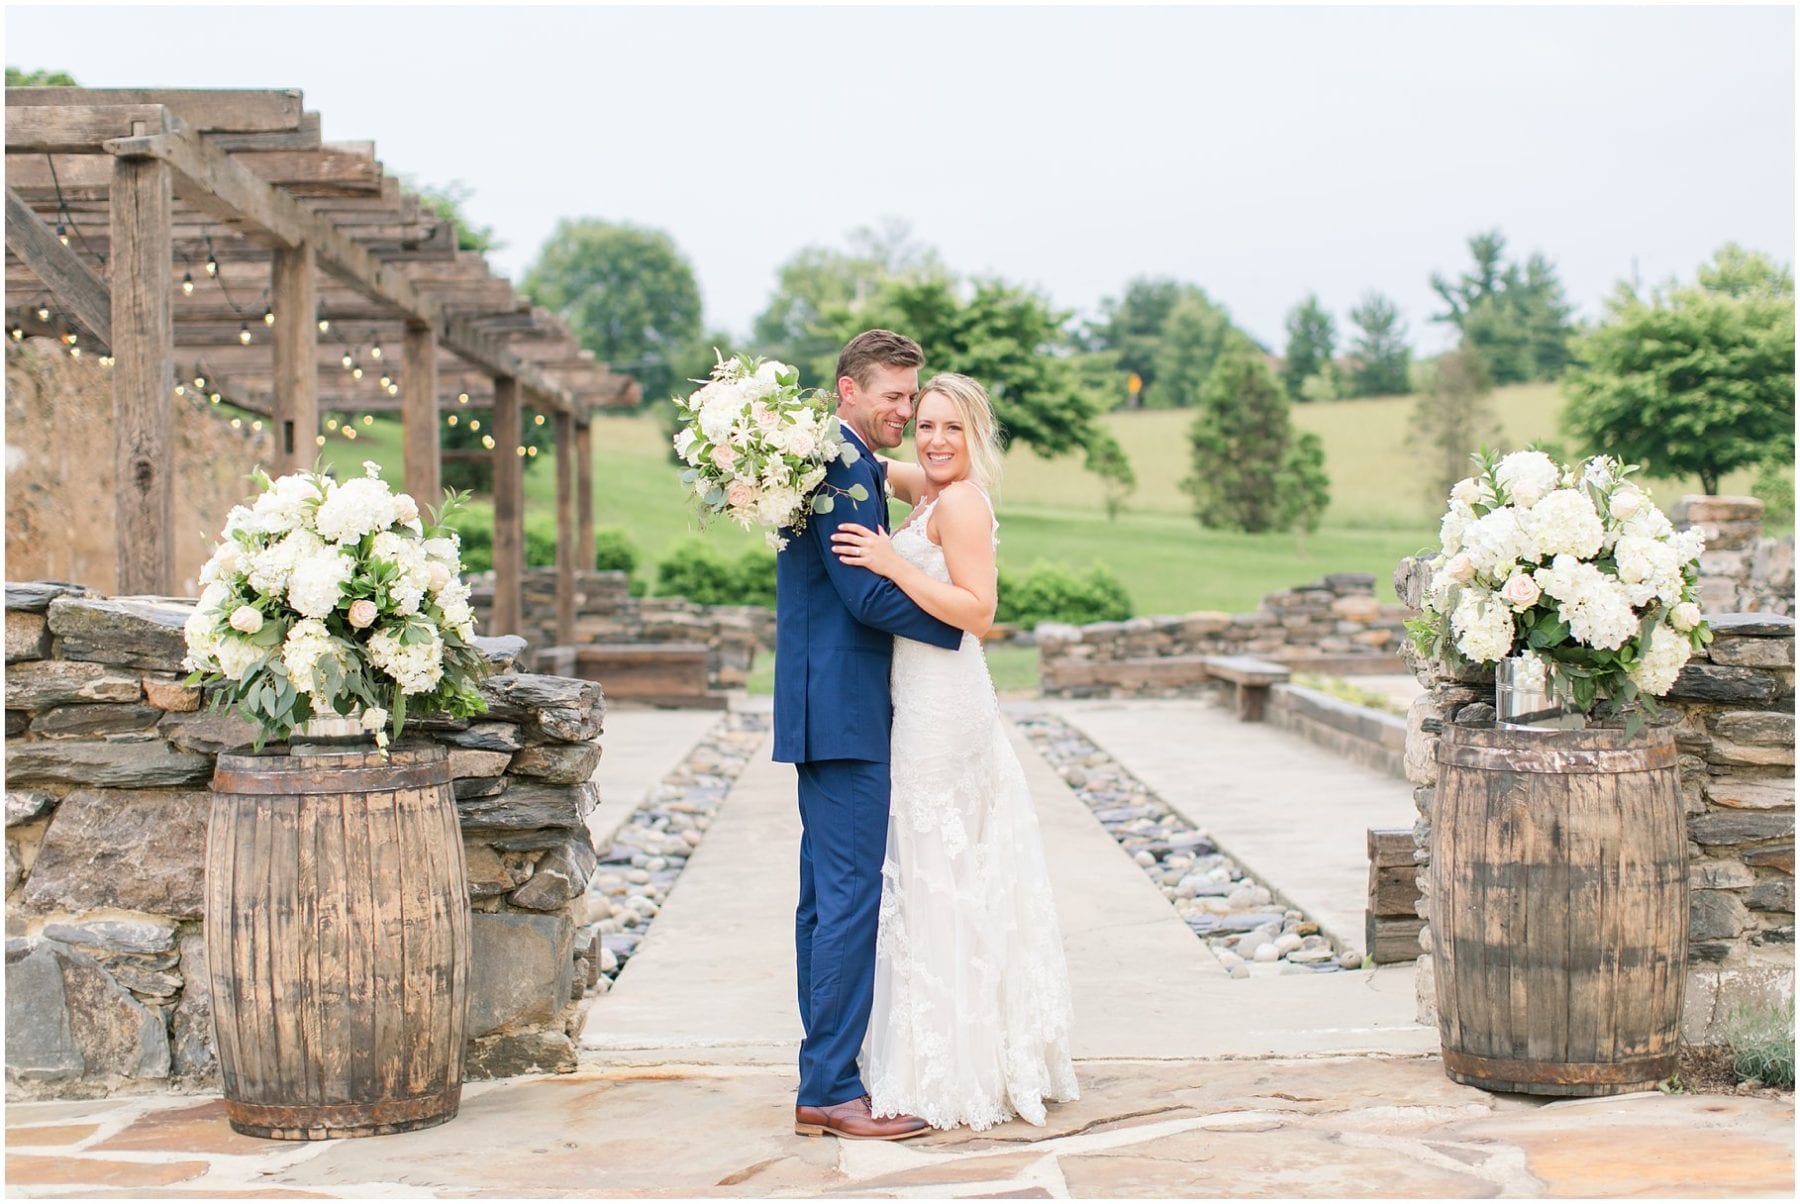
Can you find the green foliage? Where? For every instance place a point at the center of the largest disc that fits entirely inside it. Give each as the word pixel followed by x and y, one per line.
pixel 17 78
pixel 1054 593
pixel 1249 473
pixel 1133 327
pixel 448 202
pixel 540 539
pixel 1010 340
pixel 614 552
pixel 475 474
pixel 1380 349
pixel 629 295
pixel 1516 315
pixel 696 571
pixel 1762 1045
pixel 1311 336
pixel 1693 380
pixel 1774 484
pixel 1452 419
pixel 1193 338
pixel 755 575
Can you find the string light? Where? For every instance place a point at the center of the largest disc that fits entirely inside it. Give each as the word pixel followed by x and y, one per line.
pixel 462 399
pixel 74 353
pixel 375 351
pixel 349 432
pixel 356 373
pixel 16 331
pixel 215 398
pixel 487 441
pixel 187 284
pixel 393 390
pixel 451 420
pixel 331 424
pixel 539 420
pixel 244 333
pixel 107 361
pixel 521 450
pixel 181 390
pixel 368 420
pixel 69 336
pixel 257 425
pixel 199 382
pixel 348 361
pixel 268 315
pixel 531 451
pixel 212 265
pixel 43 313
pixel 62 233
pixel 474 424
pixel 319 439
pixel 386 380
pixel 324 325
pixel 237 424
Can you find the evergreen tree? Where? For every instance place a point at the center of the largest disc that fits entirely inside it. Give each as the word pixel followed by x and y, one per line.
pixel 1249 473
pixel 1383 359
pixel 1311 335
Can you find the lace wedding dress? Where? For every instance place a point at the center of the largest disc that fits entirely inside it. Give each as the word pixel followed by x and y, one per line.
pixel 972 1016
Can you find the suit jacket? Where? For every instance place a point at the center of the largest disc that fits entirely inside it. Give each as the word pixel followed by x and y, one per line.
pixel 834 629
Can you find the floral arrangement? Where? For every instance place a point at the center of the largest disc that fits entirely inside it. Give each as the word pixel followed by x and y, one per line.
pixel 328 597
pixel 1576 571
pixel 756 445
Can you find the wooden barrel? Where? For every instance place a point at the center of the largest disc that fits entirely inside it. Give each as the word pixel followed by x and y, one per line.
pixel 1559 909
pixel 337 937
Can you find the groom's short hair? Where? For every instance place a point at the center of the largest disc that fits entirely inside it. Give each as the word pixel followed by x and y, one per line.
pixel 876 347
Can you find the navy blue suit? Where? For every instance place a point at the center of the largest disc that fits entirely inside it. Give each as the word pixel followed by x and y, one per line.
pixel 834 629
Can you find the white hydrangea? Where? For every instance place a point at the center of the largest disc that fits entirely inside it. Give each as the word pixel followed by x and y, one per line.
pixel 356 508
pixel 454 599
pixel 407 555
pixel 1482 625
pixel 443 549
pixel 202 628
pixel 225 562
pixel 307 643
pixel 1649 568
pixel 1527 476
pixel 1660 663
pixel 416 667
pixel 282 507
pixel 1497 540
pixel 1649 522
pixel 1456 523
pixel 722 407
pixel 317 583
pixel 1565 521
pixel 269 570
pixel 685 441
pixel 235 656
pixel 1593 604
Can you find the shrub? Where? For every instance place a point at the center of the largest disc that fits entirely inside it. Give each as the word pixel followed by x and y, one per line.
pixel 756 577
pixel 1054 593
pixel 614 552
pixel 694 570
pixel 540 540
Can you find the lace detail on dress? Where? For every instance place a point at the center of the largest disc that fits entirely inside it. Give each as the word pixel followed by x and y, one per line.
pixel 972 1016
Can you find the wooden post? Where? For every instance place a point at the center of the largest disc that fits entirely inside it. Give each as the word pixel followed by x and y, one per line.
pixel 419 416
pixel 509 511
pixel 566 562
pixel 143 344
pixel 293 289
pixel 584 492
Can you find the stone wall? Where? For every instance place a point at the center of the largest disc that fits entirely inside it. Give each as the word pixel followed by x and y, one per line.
pixel 59 470
pixel 1732 710
pixel 1334 626
pixel 108 757
pixel 1740 570
pixel 606 613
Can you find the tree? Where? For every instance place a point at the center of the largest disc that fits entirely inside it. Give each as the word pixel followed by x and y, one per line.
pixel 628 294
pixel 1696 380
pixel 447 202
pixel 1249 473
pixel 1194 336
pixel 1010 340
pixel 1517 317
pixel 1383 359
pixel 1311 336
pixel 1136 328
pixel 1453 418
pixel 17 78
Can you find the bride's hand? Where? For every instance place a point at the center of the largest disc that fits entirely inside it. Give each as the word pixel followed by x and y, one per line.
pixel 872 550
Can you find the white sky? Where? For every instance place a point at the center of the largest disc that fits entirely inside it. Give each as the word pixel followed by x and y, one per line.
pixel 1258 152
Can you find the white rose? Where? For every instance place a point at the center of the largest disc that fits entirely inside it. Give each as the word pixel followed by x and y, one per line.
pixel 800 442
pixel 1521 592
pixel 684 442
pixel 1685 617
pixel 374 719
pixel 1460 569
pixel 405 509
pixel 1626 502
pixel 1527 476
pixel 1466 491
pixel 247 619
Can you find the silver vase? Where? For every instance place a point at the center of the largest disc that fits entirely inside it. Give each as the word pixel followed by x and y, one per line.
pixel 334 732
pixel 1523 699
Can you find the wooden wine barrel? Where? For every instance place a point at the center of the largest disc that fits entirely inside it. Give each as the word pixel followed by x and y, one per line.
pixel 337 938
pixel 1559 909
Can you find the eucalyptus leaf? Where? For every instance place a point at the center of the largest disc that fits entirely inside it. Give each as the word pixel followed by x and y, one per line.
pixel 858 493
pixel 823 503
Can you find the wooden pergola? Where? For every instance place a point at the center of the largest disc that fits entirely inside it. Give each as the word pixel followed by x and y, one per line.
pixel 213 232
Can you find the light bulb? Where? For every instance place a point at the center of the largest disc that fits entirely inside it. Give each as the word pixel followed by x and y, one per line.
pixel 324 325
pixel 331 424
pixel 356 372
pixel 244 333
pixel 539 420
pixel 181 390
pixel 268 317
pixel 386 380
pixel 257 425
pixel 393 390
pixel 212 266
pixel 43 313
pixel 319 439
pixel 462 399
pixel 375 352
pixel 17 332
pixel 199 382
pixel 216 399
pixel 521 450
pixel 74 353
pixel 474 424
pixel 62 233
pixel 349 432
pixel 368 420
pixel 71 338
pixel 487 441
pixel 187 284
pixel 237 424
pixel 346 361
pixel 531 451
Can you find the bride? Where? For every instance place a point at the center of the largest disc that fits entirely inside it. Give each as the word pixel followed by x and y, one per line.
pixel 972 1016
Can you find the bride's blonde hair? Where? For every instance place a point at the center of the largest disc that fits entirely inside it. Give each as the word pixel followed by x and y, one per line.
pixel 980 430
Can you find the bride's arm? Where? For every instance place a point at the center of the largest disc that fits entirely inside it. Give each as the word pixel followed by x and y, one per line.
pixel 966 533
pixel 906 479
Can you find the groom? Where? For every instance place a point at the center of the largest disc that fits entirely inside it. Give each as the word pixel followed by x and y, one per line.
pixel 834 638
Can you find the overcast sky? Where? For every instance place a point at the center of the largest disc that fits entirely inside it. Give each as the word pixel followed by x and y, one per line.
pixel 1259 152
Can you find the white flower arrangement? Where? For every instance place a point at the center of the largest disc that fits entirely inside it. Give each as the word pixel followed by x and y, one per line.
pixel 756 446
pixel 326 597
pixel 1576 570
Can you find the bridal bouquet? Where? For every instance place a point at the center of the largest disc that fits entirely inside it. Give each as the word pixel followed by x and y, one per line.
pixel 1576 571
pixel 328 597
pixel 756 445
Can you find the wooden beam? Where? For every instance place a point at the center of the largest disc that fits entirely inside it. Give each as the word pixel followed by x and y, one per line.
pixel 291 287
pixel 304 137
pixel 241 110
pixel 75 286
pixel 143 378
pixel 584 491
pixel 78 129
pixel 418 414
pixel 509 510
pixel 567 530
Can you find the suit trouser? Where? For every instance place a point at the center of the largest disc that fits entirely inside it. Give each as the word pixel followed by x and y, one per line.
pixel 843 841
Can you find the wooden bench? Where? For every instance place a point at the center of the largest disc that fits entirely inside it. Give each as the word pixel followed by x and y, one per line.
pixel 1391 929
pixel 1252 676
pixel 667 675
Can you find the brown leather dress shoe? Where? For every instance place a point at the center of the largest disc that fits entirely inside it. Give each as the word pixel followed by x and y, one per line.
pixel 853 1120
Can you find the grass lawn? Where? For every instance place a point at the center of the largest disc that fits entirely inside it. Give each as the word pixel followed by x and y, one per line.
pixel 1014 669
